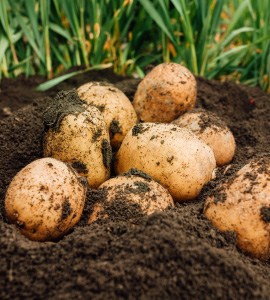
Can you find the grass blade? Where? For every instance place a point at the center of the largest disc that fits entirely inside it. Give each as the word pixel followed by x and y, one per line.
pixel 154 14
pixel 51 83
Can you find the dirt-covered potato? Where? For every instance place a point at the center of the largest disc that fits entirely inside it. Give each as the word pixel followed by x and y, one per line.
pixel 78 134
pixel 173 155
pixel 165 93
pixel 130 196
pixel 212 130
pixel 45 199
pixel 242 205
pixel 116 108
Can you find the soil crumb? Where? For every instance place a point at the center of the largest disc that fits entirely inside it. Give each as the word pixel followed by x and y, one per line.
pixel 107 153
pixel 66 209
pixel 65 103
pixel 137 172
pixel 80 167
pixel 115 128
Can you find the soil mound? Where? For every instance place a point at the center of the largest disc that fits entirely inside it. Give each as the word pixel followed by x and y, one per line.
pixel 173 255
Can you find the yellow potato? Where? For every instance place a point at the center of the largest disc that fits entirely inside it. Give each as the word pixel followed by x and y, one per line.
pixel 173 155
pixel 129 197
pixel 242 205
pixel 78 135
pixel 116 108
pixel 212 130
pixel 45 199
pixel 165 93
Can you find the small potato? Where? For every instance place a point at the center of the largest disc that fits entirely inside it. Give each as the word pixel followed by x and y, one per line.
pixel 165 93
pixel 242 205
pixel 78 135
pixel 45 199
pixel 116 108
pixel 173 155
pixel 128 197
pixel 212 130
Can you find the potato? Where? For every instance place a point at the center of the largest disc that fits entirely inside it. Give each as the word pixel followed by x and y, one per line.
pixel 78 135
pixel 173 155
pixel 128 197
pixel 165 93
pixel 116 108
pixel 45 199
pixel 242 205
pixel 212 130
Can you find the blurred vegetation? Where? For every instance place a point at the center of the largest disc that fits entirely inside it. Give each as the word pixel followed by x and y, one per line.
pixel 224 39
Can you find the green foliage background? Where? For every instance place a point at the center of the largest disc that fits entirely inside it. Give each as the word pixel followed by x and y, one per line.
pixel 213 38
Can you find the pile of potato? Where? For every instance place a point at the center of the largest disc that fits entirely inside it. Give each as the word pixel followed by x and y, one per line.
pixel 164 152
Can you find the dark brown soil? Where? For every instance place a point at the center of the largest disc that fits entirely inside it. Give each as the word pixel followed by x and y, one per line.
pixel 172 255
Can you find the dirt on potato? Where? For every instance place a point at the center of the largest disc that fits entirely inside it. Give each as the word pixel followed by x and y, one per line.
pixel 176 254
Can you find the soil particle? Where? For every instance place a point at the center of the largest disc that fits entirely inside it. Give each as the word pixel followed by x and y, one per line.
pixel 66 209
pixel 121 207
pixel 83 181
pixel 122 210
pixel 169 159
pixel 140 188
pixel 209 119
pixel 252 176
pixel 115 128
pixel 264 164
pixel 80 167
pixel 138 129
pixel 106 153
pixel 96 135
pixel 220 197
pixel 137 172
pixel 100 107
pixel 92 197
pixel 65 103
pixel 265 213
pixel 168 255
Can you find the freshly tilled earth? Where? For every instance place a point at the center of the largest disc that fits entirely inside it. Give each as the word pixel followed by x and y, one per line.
pixel 176 254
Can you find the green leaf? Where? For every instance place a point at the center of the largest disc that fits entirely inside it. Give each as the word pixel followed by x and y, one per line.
pixel 154 14
pixel 4 46
pixel 30 7
pixel 59 30
pixel 51 83
pixel 29 36
pixel 231 51
pixel 20 64
pixel 4 18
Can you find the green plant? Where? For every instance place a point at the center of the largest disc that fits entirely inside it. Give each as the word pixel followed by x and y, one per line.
pixel 213 38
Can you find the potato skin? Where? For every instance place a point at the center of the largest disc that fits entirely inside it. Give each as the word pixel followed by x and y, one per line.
pixel 174 156
pixel 149 195
pixel 116 108
pixel 165 93
pixel 242 205
pixel 82 140
pixel 45 199
pixel 212 131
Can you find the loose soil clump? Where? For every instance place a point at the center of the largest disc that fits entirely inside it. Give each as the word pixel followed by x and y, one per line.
pixel 176 254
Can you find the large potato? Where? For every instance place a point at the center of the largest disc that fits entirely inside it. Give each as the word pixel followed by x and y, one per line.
pixel 242 205
pixel 78 135
pixel 128 197
pixel 212 130
pixel 165 93
pixel 173 155
pixel 116 108
pixel 45 199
